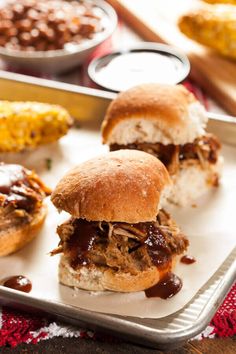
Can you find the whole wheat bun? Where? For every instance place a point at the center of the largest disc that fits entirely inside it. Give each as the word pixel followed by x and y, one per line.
pixel 124 185
pixel 95 278
pixel 154 113
pixel 13 239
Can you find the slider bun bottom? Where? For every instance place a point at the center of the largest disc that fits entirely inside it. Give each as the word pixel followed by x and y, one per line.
pixel 95 278
pixel 13 239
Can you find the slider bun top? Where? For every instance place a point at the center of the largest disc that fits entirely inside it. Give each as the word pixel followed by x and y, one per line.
pixel 154 113
pixel 124 185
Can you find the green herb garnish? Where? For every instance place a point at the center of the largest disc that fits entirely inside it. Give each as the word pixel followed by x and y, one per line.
pixel 48 163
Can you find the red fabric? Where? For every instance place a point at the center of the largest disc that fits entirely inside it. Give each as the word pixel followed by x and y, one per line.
pixel 198 93
pixel 18 327
pixel 224 321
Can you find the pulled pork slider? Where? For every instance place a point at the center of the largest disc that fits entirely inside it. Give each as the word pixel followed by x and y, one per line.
pixel 22 211
pixel 169 123
pixel 117 238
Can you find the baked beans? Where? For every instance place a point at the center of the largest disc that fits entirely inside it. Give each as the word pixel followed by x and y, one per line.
pixel 42 25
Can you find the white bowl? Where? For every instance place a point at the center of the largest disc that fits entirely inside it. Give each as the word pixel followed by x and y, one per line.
pixel 55 61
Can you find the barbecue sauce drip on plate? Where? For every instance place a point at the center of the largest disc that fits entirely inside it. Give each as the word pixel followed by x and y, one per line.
pixel 18 282
pixel 10 175
pixel 167 287
pixel 187 259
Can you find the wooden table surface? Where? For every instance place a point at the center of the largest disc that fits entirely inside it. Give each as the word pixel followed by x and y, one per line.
pixel 88 346
pixel 156 21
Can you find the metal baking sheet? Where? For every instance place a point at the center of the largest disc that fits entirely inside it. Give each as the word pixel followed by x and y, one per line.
pixel 86 104
pixel 82 103
pixel 167 332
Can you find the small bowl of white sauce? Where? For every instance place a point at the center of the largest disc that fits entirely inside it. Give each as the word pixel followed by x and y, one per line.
pixel 143 63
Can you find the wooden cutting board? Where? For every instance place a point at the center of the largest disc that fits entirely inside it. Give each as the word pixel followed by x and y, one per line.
pixel 156 20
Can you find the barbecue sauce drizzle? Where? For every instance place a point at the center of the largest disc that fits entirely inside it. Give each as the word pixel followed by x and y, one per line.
pixel 81 241
pixel 157 246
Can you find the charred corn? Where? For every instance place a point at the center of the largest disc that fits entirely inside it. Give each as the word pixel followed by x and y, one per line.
pixel 233 2
pixel 30 124
pixel 213 26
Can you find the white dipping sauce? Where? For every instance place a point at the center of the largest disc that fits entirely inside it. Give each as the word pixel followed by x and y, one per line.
pixel 129 69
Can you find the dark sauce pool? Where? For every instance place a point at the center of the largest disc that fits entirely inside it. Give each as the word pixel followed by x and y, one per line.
pixel 18 282
pixel 187 259
pixel 169 286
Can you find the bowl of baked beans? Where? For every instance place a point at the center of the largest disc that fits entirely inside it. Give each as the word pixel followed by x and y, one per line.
pixel 53 35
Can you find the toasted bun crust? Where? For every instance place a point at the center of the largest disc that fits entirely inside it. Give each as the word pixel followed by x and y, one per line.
pixel 13 239
pixel 97 278
pixel 124 185
pixel 168 114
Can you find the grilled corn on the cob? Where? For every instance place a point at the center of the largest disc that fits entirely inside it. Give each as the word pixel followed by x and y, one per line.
pixel 213 26
pixel 233 2
pixel 29 124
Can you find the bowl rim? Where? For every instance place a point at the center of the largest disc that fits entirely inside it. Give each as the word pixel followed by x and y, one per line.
pixel 76 48
pixel 148 46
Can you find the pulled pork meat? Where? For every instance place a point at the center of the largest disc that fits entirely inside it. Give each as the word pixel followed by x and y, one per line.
pixel 204 149
pixel 21 194
pixel 121 246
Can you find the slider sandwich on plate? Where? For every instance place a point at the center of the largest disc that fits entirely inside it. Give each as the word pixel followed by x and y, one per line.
pixel 118 237
pixel 22 210
pixel 168 122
